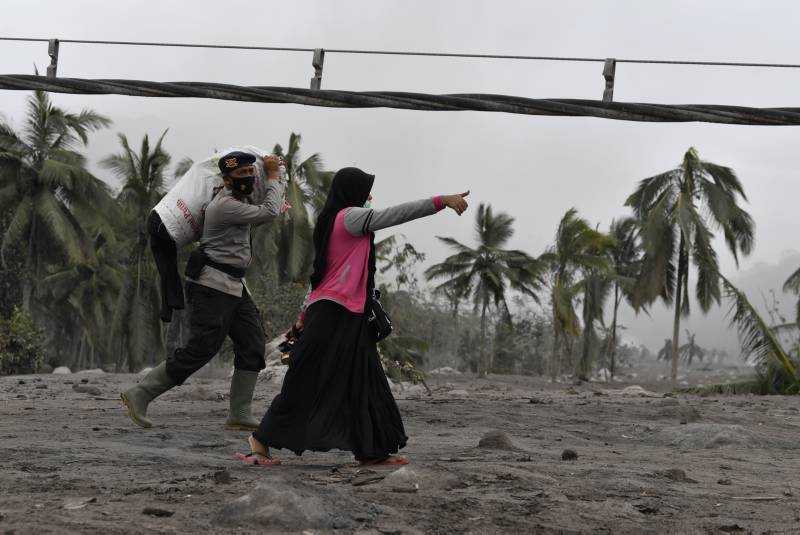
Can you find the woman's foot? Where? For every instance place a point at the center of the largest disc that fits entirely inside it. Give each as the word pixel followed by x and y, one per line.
pixel 258 456
pixel 392 460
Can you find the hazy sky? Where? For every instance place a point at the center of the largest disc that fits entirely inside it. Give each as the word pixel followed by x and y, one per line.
pixel 534 168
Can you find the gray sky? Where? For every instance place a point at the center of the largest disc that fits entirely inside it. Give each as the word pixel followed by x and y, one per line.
pixel 534 168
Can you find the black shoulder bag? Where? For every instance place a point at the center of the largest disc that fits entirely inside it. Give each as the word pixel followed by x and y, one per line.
pixel 379 320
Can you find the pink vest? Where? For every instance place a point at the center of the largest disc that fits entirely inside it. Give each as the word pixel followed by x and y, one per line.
pixel 345 280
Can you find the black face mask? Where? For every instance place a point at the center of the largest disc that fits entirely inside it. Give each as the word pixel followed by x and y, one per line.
pixel 243 185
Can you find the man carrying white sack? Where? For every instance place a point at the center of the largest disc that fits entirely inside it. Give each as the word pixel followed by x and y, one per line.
pixel 220 305
pixel 177 220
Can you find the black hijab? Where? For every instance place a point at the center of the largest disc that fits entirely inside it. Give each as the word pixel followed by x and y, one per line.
pixel 350 187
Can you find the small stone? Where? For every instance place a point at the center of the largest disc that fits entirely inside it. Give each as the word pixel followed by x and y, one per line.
pixel 569 455
pixel 62 370
pixel 402 480
pixel 153 511
pixel 675 474
pixel 222 477
pixel 365 477
pixel 458 393
pixel 724 481
pixel 20 382
pixel 496 440
pixel 41 387
pixel 78 503
pixel 91 390
pixel 95 429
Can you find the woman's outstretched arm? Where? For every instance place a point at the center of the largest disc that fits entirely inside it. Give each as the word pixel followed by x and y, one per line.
pixel 360 221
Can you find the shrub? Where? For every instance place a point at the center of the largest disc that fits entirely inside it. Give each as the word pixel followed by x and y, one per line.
pixel 21 348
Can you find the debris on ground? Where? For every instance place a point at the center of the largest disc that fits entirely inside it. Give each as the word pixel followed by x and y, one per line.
pixel 496 440
pixel 569 455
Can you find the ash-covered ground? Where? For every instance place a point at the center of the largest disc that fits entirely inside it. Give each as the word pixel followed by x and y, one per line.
pixel 486 458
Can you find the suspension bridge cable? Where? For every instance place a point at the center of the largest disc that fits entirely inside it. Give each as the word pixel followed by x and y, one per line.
pixel 625 111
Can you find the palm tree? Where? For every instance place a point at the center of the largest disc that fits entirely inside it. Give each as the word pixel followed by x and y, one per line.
pixel 625 258
pixel 792 284
pixel 778 372
pixel 43 181
pixel 577 248
pixel 690 350
pixel 135 326
pixel 665 353
pixel 87 293
pixel 306 194
pixel 488 271
pixel 595 287
pixel 677 210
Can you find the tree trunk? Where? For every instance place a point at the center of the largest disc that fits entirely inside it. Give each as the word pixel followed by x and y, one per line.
pixel 613 340
pixel 583 361
pixel 676 326
pixel 30 269
pixel 483 361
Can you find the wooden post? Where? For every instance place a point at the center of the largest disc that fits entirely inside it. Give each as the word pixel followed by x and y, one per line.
pixel 608 73
pixel 317 63
pixel 52 51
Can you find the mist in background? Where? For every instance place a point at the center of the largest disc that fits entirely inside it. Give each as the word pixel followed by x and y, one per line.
pixel 534 168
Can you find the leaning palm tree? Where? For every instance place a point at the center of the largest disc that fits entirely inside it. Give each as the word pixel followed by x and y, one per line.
pixel 488 271
pixel 577 249
pixel 135 326
pixel 777 370
pixel 677 210
pixel 43 181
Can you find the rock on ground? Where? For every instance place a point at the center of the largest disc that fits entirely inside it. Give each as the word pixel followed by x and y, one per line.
pixel 695 436
pixel 445 370
pixel 62 370
pixel 280 505
pixel 402 480
pixel 496 440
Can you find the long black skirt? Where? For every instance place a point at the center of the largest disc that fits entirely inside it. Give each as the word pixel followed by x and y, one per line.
pixel 335 394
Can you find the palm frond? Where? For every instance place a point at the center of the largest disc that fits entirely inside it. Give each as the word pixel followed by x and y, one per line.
pixel 63 231
pixel 648 191
pixel 758 341
pixel 182 167
pixel 16 232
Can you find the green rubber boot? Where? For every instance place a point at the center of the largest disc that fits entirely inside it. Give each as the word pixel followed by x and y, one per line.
pixel 242 385
pixel 137 398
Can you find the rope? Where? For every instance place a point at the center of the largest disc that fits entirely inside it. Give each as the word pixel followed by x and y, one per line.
pixel 624 111
pixel 415 53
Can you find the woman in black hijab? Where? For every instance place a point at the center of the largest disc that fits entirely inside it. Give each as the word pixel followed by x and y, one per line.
pixel 335 394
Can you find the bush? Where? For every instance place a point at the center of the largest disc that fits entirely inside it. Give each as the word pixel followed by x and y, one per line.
pixel 21 348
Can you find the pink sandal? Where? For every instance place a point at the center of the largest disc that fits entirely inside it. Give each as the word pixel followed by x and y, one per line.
pixel 256 459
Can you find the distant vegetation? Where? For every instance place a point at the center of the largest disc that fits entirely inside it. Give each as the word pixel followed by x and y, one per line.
pixel 79 284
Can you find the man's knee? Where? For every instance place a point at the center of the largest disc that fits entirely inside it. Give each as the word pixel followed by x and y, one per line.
pixel 182 363
pixel 251 356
